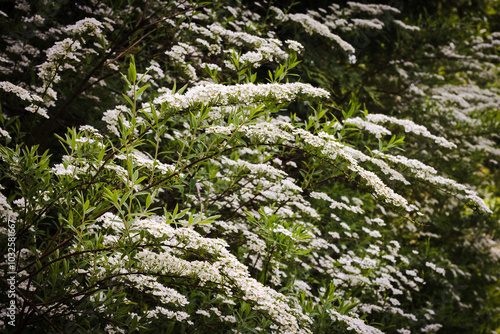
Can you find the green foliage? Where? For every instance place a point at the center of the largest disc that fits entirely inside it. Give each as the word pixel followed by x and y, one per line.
pixel 247 200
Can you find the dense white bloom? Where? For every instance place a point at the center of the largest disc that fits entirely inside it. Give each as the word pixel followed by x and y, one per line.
pixel 334 204
pixel 373 9
pixel 37 110
pixel 4 133
pixel 226 271
pixel 372 233
pixel 245 93
pixel 111 118
pixel 358 325
pixel 431 328
pixel 258 181
pixel 405 26
pixel 294 45
pixel 375 129
pixel 410 126
pixel 57 59
pixel 20 92
pixel 436 268
pixel 177 315
pixel 6 211
pixel 427 173
pixel 313 26
pixel 87 25
pixel 143 160
pixel 372 23
pixel 60 169
pixel 211 67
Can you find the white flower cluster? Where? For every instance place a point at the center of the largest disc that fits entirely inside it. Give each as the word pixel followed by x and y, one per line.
pixel 111 118
pixel 263 184
pixel 294 45
pixel 6 211
pixel 57 57
pixel 145 161
pixel 89 26
pixel 464 100
pixel 4 133
pixel 211 67
pixel 265 169
pixel 431 328
pixel 226 272
pixel 372 233
pixel 225 130
pixel 331 148
pixel 155 68
pixel 406 26
pixel 384 167
pixel 372 128
pixel 269 49
pixel 373 9
pixel 20 92
pixel 25 95
pixel 109 220
pixel 358 325
pixel 436 268
pixel 371 24
pixel 252 57
pixel 180 51
pixel 484 144
pixel 70 167
pixel 410 127
pixel 427 173
pixel 91 130
pixel 313 26
pixel 415 165
pixel 177 315
pixel 334 204
pixel 267 132
pixel 245 93
pixel 167 295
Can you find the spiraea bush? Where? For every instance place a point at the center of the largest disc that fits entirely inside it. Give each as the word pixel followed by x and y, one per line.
pixel 227 166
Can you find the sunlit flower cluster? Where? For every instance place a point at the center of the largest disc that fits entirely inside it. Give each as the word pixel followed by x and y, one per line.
pixel 216 187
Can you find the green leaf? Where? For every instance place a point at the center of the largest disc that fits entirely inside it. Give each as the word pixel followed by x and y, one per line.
pixel 180 91
pixel 126 80
pixel 132 73
pixel 128 100
pixel 149 200
pixel 140 91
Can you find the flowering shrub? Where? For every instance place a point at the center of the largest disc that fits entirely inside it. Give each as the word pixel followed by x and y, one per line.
pixel 174 166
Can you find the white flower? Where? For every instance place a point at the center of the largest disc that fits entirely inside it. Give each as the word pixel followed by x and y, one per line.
pixel 20 92
pixel 431 328
pixel 87 25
